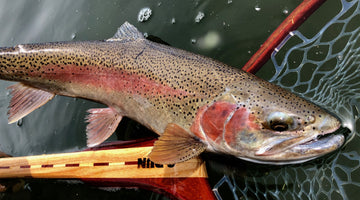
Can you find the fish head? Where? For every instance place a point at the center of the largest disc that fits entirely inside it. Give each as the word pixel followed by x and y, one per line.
pixel 274 129
pixel 282 136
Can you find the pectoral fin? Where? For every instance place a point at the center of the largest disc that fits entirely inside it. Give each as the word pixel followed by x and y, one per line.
pixel 175 145
pixel 102 124
pixel 25 99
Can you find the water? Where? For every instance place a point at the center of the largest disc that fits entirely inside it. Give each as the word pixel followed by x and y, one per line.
pixel 59 125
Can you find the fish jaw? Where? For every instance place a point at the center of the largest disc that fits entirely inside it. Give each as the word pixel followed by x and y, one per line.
pixel 300 149
pixel 299 153
pixel 310 150
pixel 230 128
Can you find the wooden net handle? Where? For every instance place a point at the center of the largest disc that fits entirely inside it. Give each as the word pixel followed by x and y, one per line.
pixel 115 165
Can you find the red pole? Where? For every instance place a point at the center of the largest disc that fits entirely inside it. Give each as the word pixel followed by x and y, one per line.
pixel 292 22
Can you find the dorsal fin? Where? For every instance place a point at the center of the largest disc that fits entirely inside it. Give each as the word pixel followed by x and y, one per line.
pixel 125 32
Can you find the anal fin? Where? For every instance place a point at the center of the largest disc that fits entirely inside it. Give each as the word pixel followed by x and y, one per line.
pixel 102 124
pixel 25 99
pixel 175 145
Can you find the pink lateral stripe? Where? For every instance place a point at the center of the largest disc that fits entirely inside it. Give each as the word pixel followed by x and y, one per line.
pixel 109 79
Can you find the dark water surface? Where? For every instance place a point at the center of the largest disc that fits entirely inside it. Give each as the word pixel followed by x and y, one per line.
pixel 239 27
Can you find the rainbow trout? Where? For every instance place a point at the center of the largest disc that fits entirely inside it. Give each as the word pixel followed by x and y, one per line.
pixel 192 102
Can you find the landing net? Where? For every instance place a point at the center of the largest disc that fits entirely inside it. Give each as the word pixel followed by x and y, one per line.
pixel 324 69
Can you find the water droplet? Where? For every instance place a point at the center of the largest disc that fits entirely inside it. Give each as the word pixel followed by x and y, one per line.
pixel 19 122
pixel 173 20
pixel 285 11
pixel 249 52
pixel 144 14
pixel 159 4
pixel 229 1
pixel 199 17
pixel 73 36
pixel 193 41
pixel 146 34
pixel 257 7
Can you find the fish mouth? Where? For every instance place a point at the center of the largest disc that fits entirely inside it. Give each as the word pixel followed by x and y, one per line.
pixel 319 146
pixel 301 151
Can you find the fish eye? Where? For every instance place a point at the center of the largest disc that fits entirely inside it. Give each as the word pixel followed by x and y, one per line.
pixel 279 121
pixel 278 126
